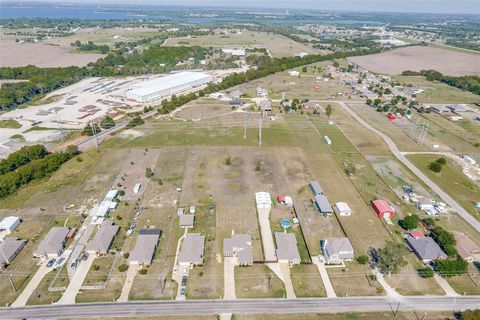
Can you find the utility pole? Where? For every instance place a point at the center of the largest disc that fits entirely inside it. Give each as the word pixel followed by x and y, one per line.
pixel 11 282
pixel 244 124
pixel 94 129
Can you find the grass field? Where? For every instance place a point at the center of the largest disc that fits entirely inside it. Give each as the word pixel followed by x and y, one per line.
pixel 451 180
pixel 9 124
pixel 353 281
pixel 258 281
pixel 306 281
pixel 278 45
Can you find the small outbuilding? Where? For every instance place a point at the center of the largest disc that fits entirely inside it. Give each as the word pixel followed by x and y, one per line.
pixel 321 202
pixel 316 188
pixel 9 224
pixel 187 220
pixel 383 209
pixel 343 209
pixel 263 200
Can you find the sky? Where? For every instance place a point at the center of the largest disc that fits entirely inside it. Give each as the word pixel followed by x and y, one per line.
pixel 427 6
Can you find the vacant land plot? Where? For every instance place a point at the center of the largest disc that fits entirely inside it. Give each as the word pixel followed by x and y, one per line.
pixel 354 280
pixel 451 180
pixel 203 108
pixel 306 281
pixel 42 55
pixel 467 284
pixel 278 45
pixel 258 281
pixel 447 62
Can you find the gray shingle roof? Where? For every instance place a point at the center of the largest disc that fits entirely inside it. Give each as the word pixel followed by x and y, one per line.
pixel 287 247
pixel 145 246
pixel 339 247
pixel 103 237
pixel 9 248
pixel 53 242
pixel 187 220
pixel 426 248
pixel 192 250
pixel 239 245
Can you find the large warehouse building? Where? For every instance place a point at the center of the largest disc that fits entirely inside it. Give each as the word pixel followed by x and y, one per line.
pixel 162 87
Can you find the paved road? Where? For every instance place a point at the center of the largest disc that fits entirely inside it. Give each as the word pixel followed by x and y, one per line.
pixel 194 307
pixel 401 157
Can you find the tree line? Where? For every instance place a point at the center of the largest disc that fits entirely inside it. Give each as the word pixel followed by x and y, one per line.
pixel 21 157
pixel 35 169
pixel 467 83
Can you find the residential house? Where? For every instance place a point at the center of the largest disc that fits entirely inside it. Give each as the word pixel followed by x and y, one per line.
pixel 425 248
pixel 53 243
pixel 147 241
pixel 336 250
pixel 9 249
pixel 287 251
pixel 192 251
pixel 467 249
pixel 240 246
pixel 103 238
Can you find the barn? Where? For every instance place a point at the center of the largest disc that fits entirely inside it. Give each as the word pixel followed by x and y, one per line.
pixel 383 209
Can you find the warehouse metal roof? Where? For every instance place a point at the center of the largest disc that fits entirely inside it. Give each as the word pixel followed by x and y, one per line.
pixel 167 82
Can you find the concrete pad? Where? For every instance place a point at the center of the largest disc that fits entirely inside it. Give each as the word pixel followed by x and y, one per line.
pixel 127 285
pixel 76 282
pixel 266 233
pixel 229 264
pixel 325 278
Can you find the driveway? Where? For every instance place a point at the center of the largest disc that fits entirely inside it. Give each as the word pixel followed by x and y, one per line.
pixel 325 278
pixel 266 232
pixel 78 245
pixel 32 285
pixel 443 283
pixel 76 281
pixel 127 285
pixel 229 264
pixel 282 271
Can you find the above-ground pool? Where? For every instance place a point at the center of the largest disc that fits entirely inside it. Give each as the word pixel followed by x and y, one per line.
pixel 285 223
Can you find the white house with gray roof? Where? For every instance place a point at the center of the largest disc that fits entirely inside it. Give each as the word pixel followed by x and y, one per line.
pixel 53 243
pixel 337 249
pixel 287 251
pixel 193 249
pixel 103 238
pixel 240 246
pixel 9 249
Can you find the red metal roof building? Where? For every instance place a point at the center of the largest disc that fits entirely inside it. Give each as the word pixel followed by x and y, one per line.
pixel 281 198
pixel 417 234
pixel 382 208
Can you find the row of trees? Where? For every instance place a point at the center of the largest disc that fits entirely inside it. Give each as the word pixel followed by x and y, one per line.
pixel 467 83
pixel 21 157
pixel 37 169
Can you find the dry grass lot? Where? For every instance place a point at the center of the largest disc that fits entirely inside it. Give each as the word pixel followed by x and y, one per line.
pixel 203 108
pixel 42 55
pixel 352 281
pixel 467 284
pixel 257 281
pixel 307 281
pixel 448 62
pixel 278 45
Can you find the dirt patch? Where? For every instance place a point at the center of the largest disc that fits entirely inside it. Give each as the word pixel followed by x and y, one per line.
pixel 448 62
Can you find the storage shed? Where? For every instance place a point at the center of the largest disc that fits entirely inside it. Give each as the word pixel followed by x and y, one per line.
pixel 383 209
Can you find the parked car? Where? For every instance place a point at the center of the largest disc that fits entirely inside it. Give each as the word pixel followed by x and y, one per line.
pixel 50 263
pixel 184 280
pixel 85 256
pixel 74 264
pixel 129 232
pixel 182 291
pixel 175 269
pixel 59 261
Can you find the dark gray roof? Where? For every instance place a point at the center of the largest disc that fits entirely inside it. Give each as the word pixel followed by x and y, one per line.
pixel 103 238
pixel 322 203
pixel 145 246
pixel 53 242
pixel 426 248
pixel 316 188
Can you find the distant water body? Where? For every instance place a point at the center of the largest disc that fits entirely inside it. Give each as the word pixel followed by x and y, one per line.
pixel 67 12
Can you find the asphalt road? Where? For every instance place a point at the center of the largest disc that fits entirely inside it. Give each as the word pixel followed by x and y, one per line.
pixel 401 157
pixel 197 307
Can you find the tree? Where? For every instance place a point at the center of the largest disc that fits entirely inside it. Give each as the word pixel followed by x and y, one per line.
pixel 390 258
pixel 435 166
pixel 442 161
pixel 107 123
pixel 328 110
pixel 445 240
pixel 451 267
pixel 89 130
pixel 425 272
pixel 123 267
pixel 369 102
pixel 148 172
pixel 410 222
pixel 304 69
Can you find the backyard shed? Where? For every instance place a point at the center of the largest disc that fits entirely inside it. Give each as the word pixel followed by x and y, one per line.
pixel 383 209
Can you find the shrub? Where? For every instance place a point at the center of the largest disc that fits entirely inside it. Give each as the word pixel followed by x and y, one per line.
pixel 258 166
pixel 451 267
pixel 143 271
pixel 122 267
pixel 148 172
pixel 425 272
pixel 126 255
pixel 435 166
pixel 363 259
pixel 410 222
pixel 228 161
